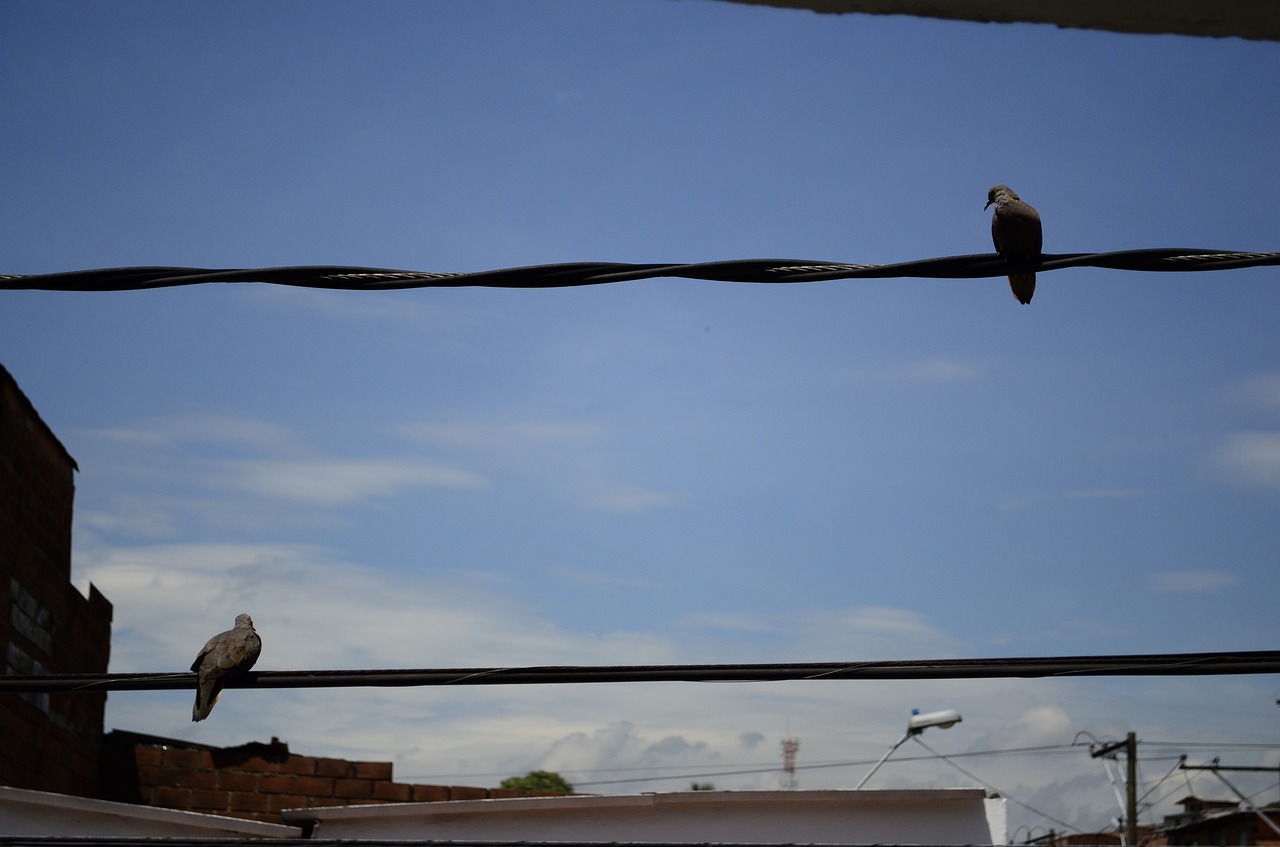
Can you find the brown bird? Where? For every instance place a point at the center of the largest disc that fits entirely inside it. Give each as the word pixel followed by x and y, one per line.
pixel 1015 229
pixel 226 656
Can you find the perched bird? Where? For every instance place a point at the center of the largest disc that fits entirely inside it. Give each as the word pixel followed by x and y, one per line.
pixel 226 656
pixel 1015 229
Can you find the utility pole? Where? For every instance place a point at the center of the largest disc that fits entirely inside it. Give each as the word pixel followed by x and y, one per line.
pixel 1130 745
pixel 1131 794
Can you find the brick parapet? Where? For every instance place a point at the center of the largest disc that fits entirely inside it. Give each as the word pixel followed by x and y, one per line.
pixel 258 781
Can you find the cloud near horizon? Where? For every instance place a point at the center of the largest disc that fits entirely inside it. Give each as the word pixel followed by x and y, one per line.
pixel 1250 458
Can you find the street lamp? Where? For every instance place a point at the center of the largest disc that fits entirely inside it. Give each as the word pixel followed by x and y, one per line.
pixel 917 724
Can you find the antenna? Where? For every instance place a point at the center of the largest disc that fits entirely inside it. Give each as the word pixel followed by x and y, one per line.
pixel 789 747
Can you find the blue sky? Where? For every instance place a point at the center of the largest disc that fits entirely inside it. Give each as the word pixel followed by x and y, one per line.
pixel 668 470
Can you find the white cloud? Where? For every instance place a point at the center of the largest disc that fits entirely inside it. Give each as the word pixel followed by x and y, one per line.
pixel 629 500
pixel 316 609
pixel 165 476
pixel 1260 390
pixel 887 631
pixel 178 430
pixel 491 435
pixel 1251 458
pixel 619 745
pixel 733 622
pixel 1040 725
pixel 340 481
pixel 1190 581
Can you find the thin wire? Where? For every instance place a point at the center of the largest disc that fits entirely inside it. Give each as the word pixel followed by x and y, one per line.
pixel 761 767
pixel 1061 748
pixel 1168 664
pixel 1159 782
pixel 991 787
pixel 1232 745
pixel 973 266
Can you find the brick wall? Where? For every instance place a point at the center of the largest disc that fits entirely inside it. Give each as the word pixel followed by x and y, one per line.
pixel 256 780
pixel 50 741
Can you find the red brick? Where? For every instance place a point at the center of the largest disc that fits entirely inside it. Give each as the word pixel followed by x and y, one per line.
pixel 395 792
pixel 278 783
pixel 301 765
pixel 185 757
pixel 147 755
pixel 194 778
pixel 496 793
pixel 259 764
pixel 429 793
pixel 241 801
pixel 155 776
pixel 352 788
pixel 280 802
pixel 373 770
pixel 466 792
pixel 315 786
pixel 171 798
pixel 335 767
pixel 203 798
pixel 239 780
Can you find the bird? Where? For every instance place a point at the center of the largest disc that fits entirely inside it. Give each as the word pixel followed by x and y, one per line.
pixel 1015 230
pixel 225 656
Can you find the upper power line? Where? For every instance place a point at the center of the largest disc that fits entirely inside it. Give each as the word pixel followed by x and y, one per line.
pixel 595 273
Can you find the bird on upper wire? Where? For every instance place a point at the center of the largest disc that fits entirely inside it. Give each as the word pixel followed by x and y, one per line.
pixel 1015 230
pixel 225 656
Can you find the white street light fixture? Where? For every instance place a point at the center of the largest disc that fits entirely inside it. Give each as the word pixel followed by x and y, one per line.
pixel 917 724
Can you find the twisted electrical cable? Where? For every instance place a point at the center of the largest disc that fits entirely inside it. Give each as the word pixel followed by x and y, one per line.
pixel 596 273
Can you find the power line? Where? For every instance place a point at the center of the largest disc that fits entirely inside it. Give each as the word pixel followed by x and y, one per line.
pixel 1229 745
pixel 853 763
pixel 991 787
pixel 973 266
pixel 686 772
pixel 1165 664
pixel 760 767
pixel 765 767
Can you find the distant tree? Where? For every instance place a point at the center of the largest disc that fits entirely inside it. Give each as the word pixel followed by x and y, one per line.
pixel 539 781
pixel 702 786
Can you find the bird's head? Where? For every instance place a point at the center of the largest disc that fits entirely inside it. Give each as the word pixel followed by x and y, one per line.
pixel 998 194
pixel 244 620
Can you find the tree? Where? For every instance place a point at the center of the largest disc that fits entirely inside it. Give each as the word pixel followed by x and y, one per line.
pixel 702 786
pixel 539 781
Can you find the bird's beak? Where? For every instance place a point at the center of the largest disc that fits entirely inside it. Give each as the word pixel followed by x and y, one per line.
pixel 989 202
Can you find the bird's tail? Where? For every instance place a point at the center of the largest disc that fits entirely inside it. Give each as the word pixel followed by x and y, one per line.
pixel 205 700
pixel 1024 286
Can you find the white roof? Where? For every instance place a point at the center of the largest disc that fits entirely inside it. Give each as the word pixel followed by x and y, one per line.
pixel 931 816
pixel 31 813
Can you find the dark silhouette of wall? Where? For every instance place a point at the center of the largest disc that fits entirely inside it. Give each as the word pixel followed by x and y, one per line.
pixel 50 741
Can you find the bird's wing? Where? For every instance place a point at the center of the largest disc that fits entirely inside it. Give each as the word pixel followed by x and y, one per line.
pixel 233 650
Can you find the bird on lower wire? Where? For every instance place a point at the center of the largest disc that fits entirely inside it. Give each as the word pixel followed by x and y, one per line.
pixel 1015 229
pixel 225 656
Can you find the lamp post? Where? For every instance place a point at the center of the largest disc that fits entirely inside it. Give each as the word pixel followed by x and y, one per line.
pixel 917 724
